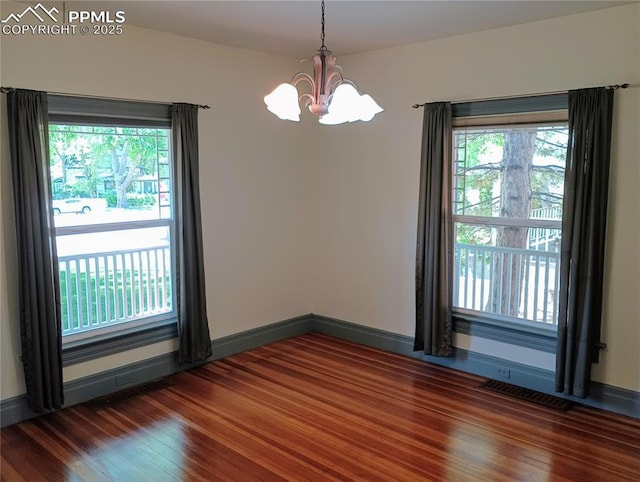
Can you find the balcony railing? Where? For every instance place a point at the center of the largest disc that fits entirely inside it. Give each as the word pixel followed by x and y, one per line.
pixel 511 282
pixel 99 290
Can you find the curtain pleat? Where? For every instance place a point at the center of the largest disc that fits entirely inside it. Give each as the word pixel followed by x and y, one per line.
pixel 38 280
pixel 583 238
pixel 434 257
pixel 194 343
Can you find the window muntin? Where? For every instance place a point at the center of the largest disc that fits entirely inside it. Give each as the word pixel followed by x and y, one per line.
pixel 507 204
pixel 112 202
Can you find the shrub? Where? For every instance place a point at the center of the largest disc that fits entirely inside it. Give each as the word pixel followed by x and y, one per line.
pixel 137 200
pixel 133 200
pixel 112 199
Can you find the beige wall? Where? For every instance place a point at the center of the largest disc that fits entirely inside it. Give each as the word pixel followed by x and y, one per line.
pixel 302 217
pixel 253 172
pixel 367 189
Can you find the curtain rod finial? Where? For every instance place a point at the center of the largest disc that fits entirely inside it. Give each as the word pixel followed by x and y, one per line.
pixel 618 86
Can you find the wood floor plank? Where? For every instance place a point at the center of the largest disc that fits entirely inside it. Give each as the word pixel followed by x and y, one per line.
pixel 315 407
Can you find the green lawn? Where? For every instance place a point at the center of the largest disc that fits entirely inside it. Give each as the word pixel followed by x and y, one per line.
pixel 93 300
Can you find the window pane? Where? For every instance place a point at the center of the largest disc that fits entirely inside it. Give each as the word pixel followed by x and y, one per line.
pixel 109 278
pixel 508 186
pixel 108 174
pixel 514 172
pixel 519 281
pixel 112 278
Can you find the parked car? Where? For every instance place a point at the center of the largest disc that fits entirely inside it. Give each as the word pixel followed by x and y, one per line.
pixel 74 205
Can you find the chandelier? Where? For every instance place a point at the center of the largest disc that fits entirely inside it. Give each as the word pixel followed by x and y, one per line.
pixel 333 98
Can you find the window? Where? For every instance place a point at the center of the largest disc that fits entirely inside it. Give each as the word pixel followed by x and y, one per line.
pixel 112 188
pixel 507 211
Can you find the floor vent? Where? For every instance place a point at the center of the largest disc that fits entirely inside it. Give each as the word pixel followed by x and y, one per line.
pixel 127 394
pixel 529 395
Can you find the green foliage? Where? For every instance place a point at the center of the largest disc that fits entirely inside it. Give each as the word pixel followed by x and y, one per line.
pixel 137 200
pixel 83 188
pixel 547 178
pixel 64 192
pixel 481 151
pixel 133 199
pixel 473 234
pixel 112 199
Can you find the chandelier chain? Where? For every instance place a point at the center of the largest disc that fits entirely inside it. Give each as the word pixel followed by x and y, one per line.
pixel 322 47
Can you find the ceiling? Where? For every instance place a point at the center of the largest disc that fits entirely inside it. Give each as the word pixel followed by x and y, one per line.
pixel 292 28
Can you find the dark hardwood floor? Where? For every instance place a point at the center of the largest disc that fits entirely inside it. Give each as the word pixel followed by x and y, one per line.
pixel 318 408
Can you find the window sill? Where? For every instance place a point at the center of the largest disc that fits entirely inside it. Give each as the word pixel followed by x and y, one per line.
pixel 108 344
pixel 523 334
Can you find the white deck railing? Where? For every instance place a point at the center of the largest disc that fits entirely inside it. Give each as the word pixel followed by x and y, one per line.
pixel 103 289
pixel 543 238
pixel 535 282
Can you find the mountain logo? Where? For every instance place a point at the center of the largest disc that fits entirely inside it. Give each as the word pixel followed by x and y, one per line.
pixel 39 11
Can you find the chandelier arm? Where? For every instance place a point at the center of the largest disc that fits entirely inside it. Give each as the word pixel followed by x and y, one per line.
pixel 300 76
pixel 308 101
pixel 331 83
pixel 350 82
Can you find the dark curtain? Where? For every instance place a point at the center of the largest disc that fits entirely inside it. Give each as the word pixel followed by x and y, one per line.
pixel 39 293
pixel 583 238
pixel 193 327
pixel 434 257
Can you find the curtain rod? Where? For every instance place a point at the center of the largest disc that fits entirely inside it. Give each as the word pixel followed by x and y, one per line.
pixel 614 87
pixel 5 90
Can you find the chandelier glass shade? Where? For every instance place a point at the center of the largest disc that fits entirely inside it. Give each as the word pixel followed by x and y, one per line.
pixel 334 99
